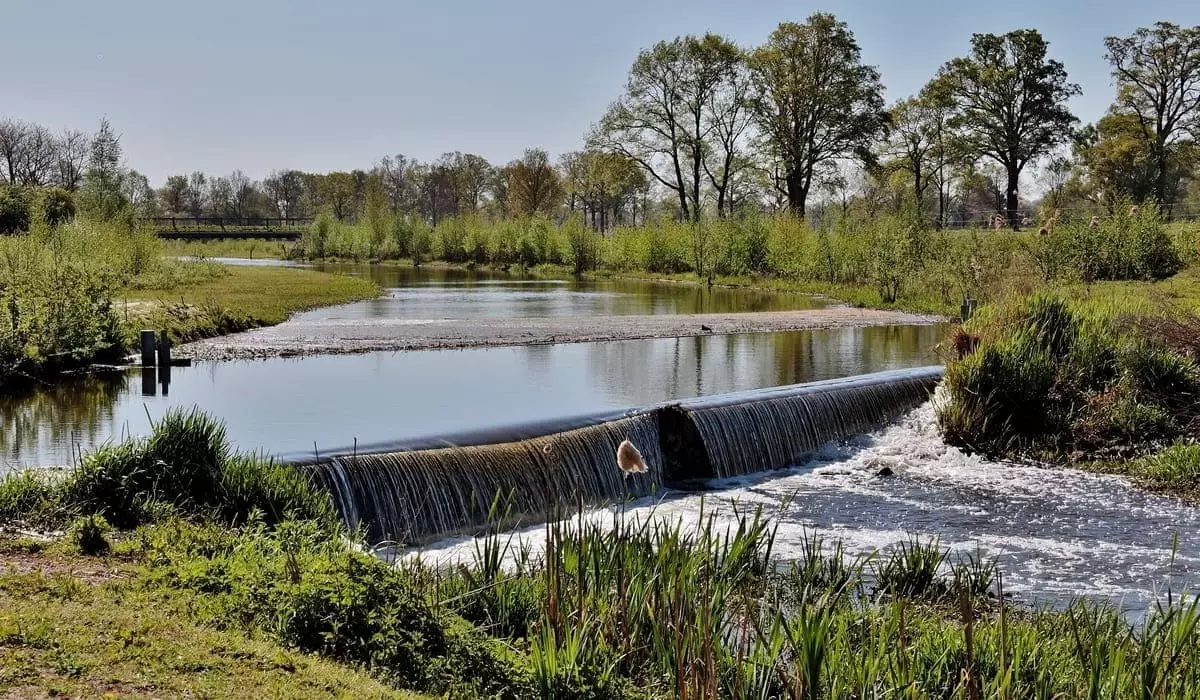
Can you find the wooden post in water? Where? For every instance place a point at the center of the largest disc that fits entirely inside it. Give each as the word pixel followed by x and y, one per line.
pixel 164 350
pixel 148 347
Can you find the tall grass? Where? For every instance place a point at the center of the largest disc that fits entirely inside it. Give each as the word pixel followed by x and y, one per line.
pixel 185 466
pixel 645 607
pixel 1050 377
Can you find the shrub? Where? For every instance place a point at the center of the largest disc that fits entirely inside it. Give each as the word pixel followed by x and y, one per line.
pixel 14 210
pixel 87 535
pixel 57 206
pixel 186 464
pixel 1128 245
pixel 28 496
pixel 1050 377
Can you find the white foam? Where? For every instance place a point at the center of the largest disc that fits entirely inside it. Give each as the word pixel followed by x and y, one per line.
pixel 1056 533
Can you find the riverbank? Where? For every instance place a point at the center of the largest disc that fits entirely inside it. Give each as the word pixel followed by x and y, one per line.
pixel 239 298
pixel 73 625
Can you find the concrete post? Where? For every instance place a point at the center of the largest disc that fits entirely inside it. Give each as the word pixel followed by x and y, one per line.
pixel 148 347
pixel 164 350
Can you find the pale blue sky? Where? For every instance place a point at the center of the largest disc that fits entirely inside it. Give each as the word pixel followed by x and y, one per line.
pixel 259 84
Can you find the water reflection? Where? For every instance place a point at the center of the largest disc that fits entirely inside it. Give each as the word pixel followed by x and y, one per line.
pixel 442 293
pixel 285 405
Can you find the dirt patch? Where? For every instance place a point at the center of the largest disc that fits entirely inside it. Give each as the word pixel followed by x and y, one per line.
pixel 23 560
pixel 355 336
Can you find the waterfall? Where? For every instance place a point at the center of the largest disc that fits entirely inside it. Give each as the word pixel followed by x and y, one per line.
pixel 436 487
pixel 736 434
pixel 411 496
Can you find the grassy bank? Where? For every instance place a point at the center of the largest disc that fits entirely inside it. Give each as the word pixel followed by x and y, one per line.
pixel 79 626
pixel 235 299
pixel 215 582
pixel 78 293
pixel 878 260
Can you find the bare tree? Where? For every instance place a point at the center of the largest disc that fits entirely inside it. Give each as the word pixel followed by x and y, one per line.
pixel 286 190
pixel 73 149
pixel 12 146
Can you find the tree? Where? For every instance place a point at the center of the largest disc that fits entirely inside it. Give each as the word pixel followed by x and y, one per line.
pixel 12 147
pixel 815 101
pixel 37 157
pixel 137 191
pixel 912 142
pixel 1010 103
pixel 473 176
pixel 533 185
pixel 220 197
pixel 286 190
pixel 1157 71
pixel 664 120
pixel 73 148
pixel 1121 162
pixel 729 117
pixel 197 193
pixel 242 194
pixel 103 180
pixel 173 194
pixel 400 182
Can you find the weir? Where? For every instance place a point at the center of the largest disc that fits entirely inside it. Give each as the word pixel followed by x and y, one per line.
pixel 412 492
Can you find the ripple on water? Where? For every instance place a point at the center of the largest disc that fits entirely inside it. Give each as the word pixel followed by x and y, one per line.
pixel 1055 533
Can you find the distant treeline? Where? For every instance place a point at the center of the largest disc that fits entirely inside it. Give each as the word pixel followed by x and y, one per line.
pixel 704 125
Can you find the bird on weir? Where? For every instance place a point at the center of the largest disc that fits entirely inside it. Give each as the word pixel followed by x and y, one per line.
pixel 629 459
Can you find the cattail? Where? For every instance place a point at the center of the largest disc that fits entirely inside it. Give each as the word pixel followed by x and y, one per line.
pixel 629 459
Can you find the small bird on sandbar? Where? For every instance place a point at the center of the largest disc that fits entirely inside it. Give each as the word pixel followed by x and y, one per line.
pixel 706 329
pixel 629 459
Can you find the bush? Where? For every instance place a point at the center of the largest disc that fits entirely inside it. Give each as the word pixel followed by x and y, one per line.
pixel 14 210
pixel 1050 377
pixel 1126 246
pixel 186 464
pixel 57 206
pixel 87 535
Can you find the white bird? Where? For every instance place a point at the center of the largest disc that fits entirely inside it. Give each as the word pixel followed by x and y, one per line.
pixel 629 459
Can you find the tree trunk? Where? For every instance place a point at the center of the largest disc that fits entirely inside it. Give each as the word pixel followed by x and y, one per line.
pixel 1160 184
pixel 796 192
pixel 1010 196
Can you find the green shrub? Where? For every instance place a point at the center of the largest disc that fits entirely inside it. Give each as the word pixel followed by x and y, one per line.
pixel 1051 377
pixel 57 206
pixel 88 535
pixel 186 466
pixel 14 210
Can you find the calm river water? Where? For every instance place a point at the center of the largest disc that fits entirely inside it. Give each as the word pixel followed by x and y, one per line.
pixel 284 406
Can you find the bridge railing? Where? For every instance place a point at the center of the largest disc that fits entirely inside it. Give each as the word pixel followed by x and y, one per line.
pixel 225 223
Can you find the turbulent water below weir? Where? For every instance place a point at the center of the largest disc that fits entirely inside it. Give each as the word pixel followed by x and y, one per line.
pixel 1056 534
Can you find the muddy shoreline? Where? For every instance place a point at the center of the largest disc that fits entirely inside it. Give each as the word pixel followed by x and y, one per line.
pixel 326 337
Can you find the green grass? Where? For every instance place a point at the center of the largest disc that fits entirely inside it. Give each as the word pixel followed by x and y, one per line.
pixel 184 466
pixel 255 249
pixel 84 627
pixel 237 299
pixel 1175 470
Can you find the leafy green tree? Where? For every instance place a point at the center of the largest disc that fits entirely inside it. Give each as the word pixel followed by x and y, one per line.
pixel 913 141
pixel 1119 159
pixel 533 185
pixel 173 195
pixel 14 209
pixel 103 181
pixel 376 203
pixel 1010 103
pixel 678 95
pixel 815 101
pixel 1157 71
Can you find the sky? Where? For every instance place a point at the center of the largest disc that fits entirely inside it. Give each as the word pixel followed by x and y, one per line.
pixel 259 85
